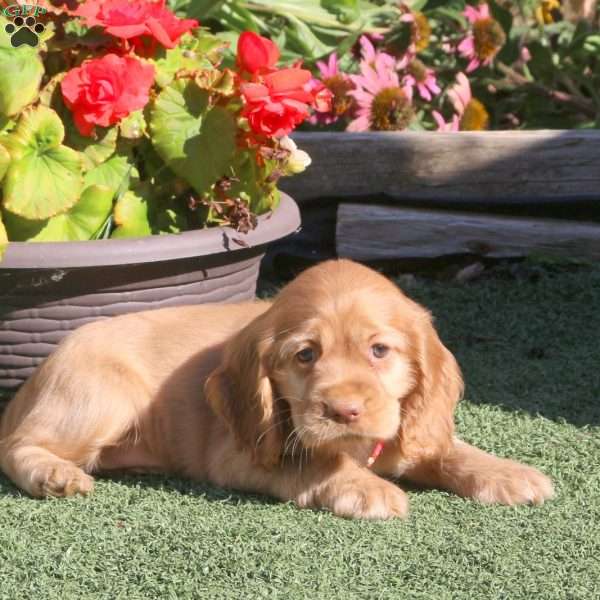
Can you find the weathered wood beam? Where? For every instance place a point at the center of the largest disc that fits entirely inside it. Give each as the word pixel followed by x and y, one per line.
pixel 378 232
pixel 492 166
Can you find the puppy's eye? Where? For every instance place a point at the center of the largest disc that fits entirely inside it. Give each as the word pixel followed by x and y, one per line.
pixel 306 355
pixel 379 350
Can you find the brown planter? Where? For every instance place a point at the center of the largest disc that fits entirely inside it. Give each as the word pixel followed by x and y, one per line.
pixel 49 289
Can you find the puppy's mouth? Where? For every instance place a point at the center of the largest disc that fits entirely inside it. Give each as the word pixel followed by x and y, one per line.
pixel 320 431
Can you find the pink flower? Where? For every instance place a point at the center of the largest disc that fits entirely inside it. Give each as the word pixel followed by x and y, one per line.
pixel 485 39
pixel 525 55
pixel 460 93
pixel 467 49
pixel 357 48
pixel 329 68
pixel 372 56
pixel 460 96
pixel 322 96
pixel 338 85
pixel 472 114
pixel 453 125
pixel 382 103
pixel 473 14
pixel 423 78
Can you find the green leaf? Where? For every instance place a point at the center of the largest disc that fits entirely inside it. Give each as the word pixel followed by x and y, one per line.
pixel 112 173
pixel 196 141
pixel 3 238
pixel 194 52
pixel 95 150
pixel 21 71
pixel 44 177
pixel 170 220
pixel 80 223
pixel 132 215
pixel 346 10
pixel 6 124
pixel 4 161
pixel 133 127
pixel 541 64
pixel 38 129
pixel 592 43
pixel 251 184
pixel 502 15
pixel 200 9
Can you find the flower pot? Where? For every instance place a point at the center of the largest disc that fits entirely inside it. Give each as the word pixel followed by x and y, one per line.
pixel 49 289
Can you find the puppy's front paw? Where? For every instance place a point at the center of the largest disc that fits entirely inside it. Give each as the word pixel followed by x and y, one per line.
pixel 514 483
pixel 375 499
pixel 61 479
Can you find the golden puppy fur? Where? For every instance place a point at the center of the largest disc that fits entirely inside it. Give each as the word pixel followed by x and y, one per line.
pixel 287 398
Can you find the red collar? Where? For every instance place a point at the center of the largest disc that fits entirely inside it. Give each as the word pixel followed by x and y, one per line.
pixel 377 450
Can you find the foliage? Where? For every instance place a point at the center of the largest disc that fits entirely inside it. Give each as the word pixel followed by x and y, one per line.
pixel 529 63
pixel 121 120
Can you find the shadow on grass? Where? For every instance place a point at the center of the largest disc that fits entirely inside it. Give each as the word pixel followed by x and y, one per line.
pixel 159 482
pixel 526 338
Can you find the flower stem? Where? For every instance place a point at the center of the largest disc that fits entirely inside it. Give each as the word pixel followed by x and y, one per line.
pixel 585 105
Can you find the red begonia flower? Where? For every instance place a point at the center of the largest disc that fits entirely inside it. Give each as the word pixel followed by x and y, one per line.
pixel 132 19
pixel 256 53
pixel 280 102
pixel 105 90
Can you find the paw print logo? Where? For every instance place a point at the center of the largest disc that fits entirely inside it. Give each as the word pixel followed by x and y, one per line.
pixel 24 31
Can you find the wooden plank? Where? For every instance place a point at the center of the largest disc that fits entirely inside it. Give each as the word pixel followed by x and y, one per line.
pixel 377 232
pixel 493 166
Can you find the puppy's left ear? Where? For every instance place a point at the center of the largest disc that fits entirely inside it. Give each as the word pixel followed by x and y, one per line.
pixel 428 413
pixel 241 393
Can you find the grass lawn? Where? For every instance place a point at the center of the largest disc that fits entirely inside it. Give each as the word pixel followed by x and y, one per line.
pixel 529 345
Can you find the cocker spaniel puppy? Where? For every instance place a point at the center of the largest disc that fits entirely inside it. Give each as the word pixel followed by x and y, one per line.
pixel 317 397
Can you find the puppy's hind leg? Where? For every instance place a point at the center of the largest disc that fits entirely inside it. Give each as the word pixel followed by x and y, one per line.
pixel 54 429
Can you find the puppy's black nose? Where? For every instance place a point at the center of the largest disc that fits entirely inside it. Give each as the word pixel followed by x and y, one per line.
pixel 342 411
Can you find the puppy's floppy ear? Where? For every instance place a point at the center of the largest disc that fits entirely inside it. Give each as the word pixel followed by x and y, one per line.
pixel 240 392
pixel 427 425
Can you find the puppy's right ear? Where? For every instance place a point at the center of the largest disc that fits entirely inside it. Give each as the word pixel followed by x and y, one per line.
pixel 240 392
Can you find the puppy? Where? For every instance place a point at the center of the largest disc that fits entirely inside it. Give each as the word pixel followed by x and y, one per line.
pixel 318 397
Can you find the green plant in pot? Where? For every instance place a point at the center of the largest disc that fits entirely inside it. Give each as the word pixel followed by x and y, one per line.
pixel 120 120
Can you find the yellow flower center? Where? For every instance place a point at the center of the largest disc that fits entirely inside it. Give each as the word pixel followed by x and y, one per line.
pixel 475 117
pixel 339 86
pixel 391 110
pixel 418 70
pixel 420 31
pixel 548 11
pixel 489 37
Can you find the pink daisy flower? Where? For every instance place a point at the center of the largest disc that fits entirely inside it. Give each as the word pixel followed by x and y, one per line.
pixel 484 40
pixel 383 104
pixel 372 56
pixel 460 93
pixel 423 78
pixel 338 84
pixel 330 68
pixel 474 14
pixel 453 125
pixel 471 113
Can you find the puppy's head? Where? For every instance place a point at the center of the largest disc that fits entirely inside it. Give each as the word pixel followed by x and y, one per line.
pixel 341 355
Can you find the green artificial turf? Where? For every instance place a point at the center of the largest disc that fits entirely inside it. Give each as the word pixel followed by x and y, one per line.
pixel 530 350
